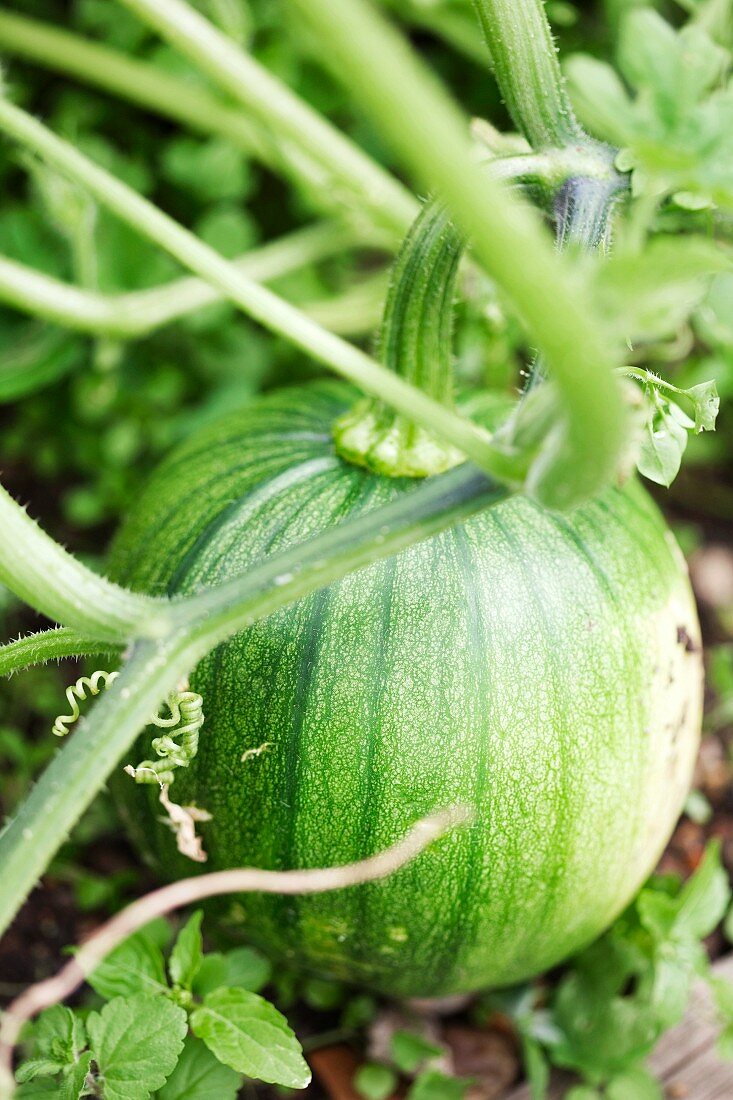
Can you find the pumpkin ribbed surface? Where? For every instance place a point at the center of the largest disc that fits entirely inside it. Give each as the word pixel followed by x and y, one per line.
pixel 540 668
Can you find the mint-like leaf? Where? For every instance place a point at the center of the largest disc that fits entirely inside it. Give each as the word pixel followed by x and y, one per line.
pixel 200 1076
pixel 38 1089
pixel 137 965
pixel 246 1032
pixel 247 968
pixel 187 953
pixel 60 1034
pixel 243 967
pixel 74 1082
pixel 37 1067
pixel 136 1043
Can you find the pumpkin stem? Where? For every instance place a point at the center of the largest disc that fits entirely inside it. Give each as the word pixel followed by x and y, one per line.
pixel 415 341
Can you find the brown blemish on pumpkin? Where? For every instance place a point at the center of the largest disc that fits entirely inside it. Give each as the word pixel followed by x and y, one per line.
pixel 684 639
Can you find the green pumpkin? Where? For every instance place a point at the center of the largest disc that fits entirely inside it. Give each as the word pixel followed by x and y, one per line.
pixel 544 670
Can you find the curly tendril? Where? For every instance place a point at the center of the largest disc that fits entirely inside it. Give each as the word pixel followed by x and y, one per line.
pixel 175 749
pixel 78 693
pixel 178 748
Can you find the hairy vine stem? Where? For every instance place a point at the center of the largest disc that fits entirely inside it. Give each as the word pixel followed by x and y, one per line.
pixel 188 891
pixel 45 576
pixel 51 645
pixel 526 67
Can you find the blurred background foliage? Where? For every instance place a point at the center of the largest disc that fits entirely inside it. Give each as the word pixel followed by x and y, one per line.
pixel 83 420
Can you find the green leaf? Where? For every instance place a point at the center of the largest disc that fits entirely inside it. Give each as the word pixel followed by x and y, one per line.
pixel 536 1067
pixel 322 995
pixel 705 897
pixel 723 993
pixel 60 1034
pixel 677 132
pixel 136 1043
pixel 228 229
pixel 37 1067
pixel 698 808
pixel 679 68
pixel 200 1076
pixel 41 1087
pixel 74 1082
pixel 667 424
pixel 635 1084
pixel 724 1044
pixel 646 52
pixel 602 1033
pixel 600 98
pixel 722 990
pixel 212 170
pixel 34 356
pixel 246 1032
pixel 714 319
pixel 136 965
pixel 188 952
pixel 583 1092
pixel 707 405
pixel 375 1082
pixel 648 295
pixel 663 444
pixel 243 967
pixel 410 1051
pixel 432 1085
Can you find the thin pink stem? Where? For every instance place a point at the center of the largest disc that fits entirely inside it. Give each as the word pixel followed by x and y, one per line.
pixel 160 902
